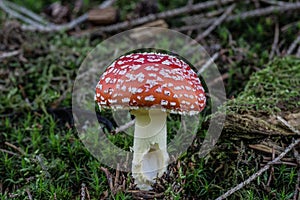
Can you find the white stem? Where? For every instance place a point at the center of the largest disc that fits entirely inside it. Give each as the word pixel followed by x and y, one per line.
pixel 150 156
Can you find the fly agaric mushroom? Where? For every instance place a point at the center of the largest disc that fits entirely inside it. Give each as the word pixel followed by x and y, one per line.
pixel 150 85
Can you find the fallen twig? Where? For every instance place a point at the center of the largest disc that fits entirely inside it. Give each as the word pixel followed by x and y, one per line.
pixel 117 175
pixel 272 169
pixel 37 23
pixel 16 148
pixel 265 168
pixel 28 193
pixel 246 15
pixel 72 24
pixel 9 54
pixel 109 178
pixel 257 174
pixel 208 63
pixel 123 127
pixel 18 15
pixel 264 11
pixel 298 52
pixel 199 18
pixel 288 125
pixel 275 42
pixel 163 15
pixel 106 3
pixel 293 45
pixel 216 23
pixel 9 152
pixel 27 12
pixel 219 79
pixel 279 3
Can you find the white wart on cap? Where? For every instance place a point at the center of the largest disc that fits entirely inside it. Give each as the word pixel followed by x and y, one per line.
pixel 151 80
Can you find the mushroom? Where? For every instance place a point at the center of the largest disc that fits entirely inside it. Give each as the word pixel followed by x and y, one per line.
pixel 150 85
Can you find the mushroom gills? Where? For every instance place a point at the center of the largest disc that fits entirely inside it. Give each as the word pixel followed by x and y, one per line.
pixel 150 157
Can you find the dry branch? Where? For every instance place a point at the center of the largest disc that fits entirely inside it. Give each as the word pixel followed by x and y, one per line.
pixel 275 42
pixel 199 18
pixel 27 12
pixel 37 23
pixel 124 127
pixel 257 174
pixel 109 178
pixel 52 28
pixel 293 46
pixel 163 15
pixel 18 15
pixel 15 147
pixel 208 63
pixel 294 144
pixel 287 124
pixel 9 54
pixel 215 23
pixel 264 11
pixel 246 15
pixel 106 3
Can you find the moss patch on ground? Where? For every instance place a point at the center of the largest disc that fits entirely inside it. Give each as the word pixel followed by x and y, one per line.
pixel 276 88
pixel 273 91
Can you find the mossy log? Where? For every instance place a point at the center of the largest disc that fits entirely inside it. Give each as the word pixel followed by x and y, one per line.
pixel 270 93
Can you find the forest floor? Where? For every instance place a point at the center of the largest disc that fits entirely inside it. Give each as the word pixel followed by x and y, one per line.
pixel 256 48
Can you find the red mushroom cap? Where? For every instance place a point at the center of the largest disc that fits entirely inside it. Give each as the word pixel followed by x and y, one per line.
pixel 151 80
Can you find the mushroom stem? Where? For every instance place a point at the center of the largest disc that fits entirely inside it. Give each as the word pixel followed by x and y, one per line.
pixel 150 156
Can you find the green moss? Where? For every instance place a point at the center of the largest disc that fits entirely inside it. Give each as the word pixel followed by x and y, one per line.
pixel 273 89
pixel 46 74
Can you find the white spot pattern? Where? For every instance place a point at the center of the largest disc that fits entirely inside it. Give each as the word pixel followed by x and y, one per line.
pixel 139 74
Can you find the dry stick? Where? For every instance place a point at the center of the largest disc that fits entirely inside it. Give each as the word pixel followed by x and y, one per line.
pixel 123 127
pixel 268 165
pixel 279 3
pixel 9 152
pixel 27 12
pixel 264 11
pixel 87 193
pixel 163 15
pixel 18 15
pixel 9 54
pixel 106 3
pixel 72 24
pixel 257 174
pixel 15 147
pixel 208 63
pixel 29 194
pixel 249 14
pixel 36 26
pixel 275 43
pixel 216 23
pixel 199 18
pixel 220 78
pixel 288 125
pixel 109 178
pixel 272 168
pixel 293 45
pixel 116 182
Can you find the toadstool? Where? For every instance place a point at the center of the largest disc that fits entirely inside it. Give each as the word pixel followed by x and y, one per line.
pixel 150 85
